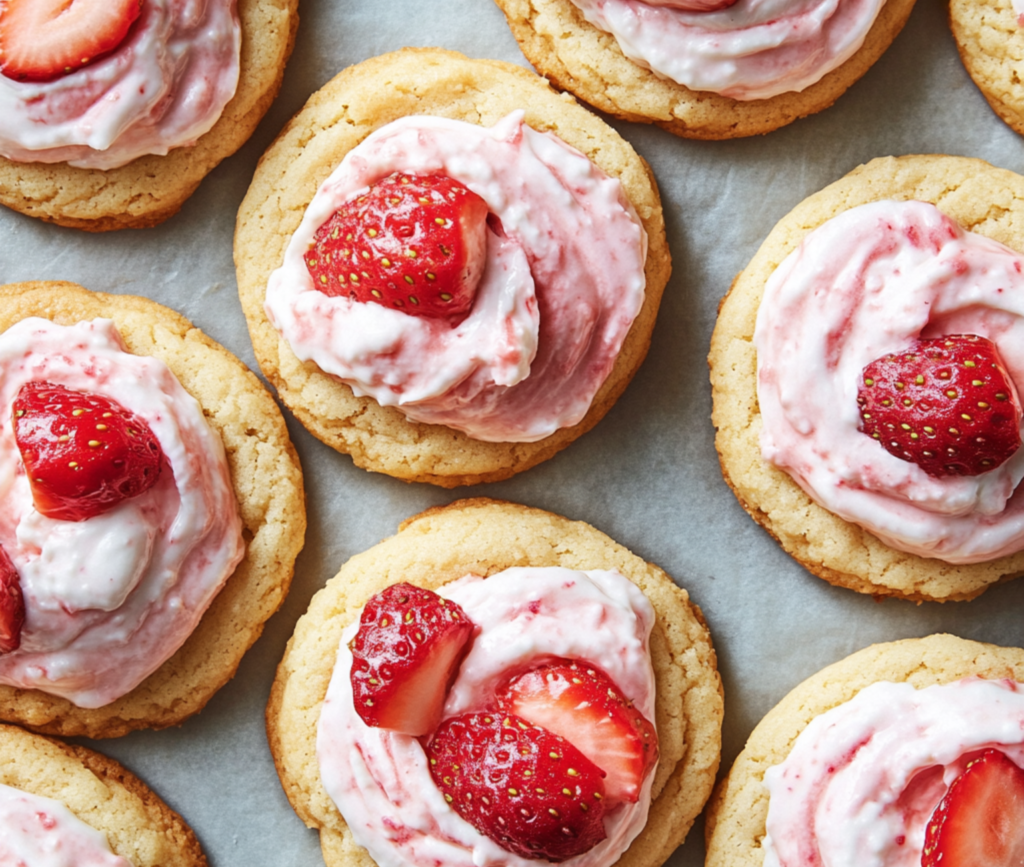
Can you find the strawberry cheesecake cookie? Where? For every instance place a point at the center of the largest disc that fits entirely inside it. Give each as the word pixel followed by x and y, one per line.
pixel 449 271
pixel 497 685
pixel 907 754
pixel 706 69
pixel 990 37
pixel 152 509
pixel 62 805
pixel 866 375
pixel 113 111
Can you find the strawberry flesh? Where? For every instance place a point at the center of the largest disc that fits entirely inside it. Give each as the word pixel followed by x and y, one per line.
pixel 946 404
pixel 12 605
pixel 41 40
pixel 405 656
pixel 530 791
pixel 980 821
pixel 415 243
pixel 583 705
pixel 83 453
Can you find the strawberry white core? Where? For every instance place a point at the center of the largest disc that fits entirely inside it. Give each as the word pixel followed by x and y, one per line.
pixel 864 284
pixel 110 598
pixel 563 283
pixel 380 781
pixel 754 49
pixel 44 833
pixel 165 85
pixel 863 779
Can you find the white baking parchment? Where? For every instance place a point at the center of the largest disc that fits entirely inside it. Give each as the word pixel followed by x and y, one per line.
pixel 647 474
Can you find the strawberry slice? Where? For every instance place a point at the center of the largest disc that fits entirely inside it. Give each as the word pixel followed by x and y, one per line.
pixel 980 821
pixel 41 40
pixel 947 405
pixel 532 792
pixel 580 703
pixel 411 243
pixel 12 605
pixel 405 656
pixel 83 453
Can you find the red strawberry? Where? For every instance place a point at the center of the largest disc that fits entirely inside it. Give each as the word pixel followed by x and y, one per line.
pixel 580 703
pixel 980 821
pixel 529 790
pixel 414 243
pixel 41 40
pixel 83 453
pixel 12 605
pixel 405 656
pixel 947 405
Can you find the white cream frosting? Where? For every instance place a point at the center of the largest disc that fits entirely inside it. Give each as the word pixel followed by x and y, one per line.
pixel 863 779
pixel 110 598
pixel 41 832
pixel 162 88
pixel 563 283
pixel 754 49
pixel 864 284
pixel 380 781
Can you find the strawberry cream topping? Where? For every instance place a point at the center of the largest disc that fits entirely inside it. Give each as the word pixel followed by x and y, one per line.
pixel 41 832
pixel 864 284
pixel 380 780
pixel 752 49
pixel 110 598
pixel 563 283
pixel 862 780
pixel 164 86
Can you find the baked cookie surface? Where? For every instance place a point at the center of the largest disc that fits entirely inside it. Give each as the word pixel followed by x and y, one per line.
pixel 267 481
pixel 982 199
pixel 587 62
pixel 736 814
pixel 152 188
pixel 137 824
pixel 484 537
pixel 991 46
pixel 338 117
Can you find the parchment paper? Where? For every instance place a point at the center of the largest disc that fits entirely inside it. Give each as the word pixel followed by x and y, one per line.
pixel 647 475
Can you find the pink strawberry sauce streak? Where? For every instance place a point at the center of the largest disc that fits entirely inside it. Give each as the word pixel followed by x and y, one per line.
pixel 753 49
pixel 563 283
pixel 41 832
pixel 109 599
pixel 863 779
pixel 380 781
pixel 864 284
pixel 165 85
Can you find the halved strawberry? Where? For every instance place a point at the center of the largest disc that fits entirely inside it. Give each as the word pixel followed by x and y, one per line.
pixel 946 404
pixel 41 40
pixel 83 453
pixel 980 821
pixel 532 792
pixel 580 703
pixel 12 605
pixel 415 243
pixel 405 656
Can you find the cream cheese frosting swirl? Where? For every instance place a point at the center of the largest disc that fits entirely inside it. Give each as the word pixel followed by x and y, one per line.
pixel 754 49
pixel 866 283
pixel 563 283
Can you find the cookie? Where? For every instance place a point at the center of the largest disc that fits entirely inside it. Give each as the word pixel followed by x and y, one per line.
pixel 587 62
pixel 991 45
pixel 735 825
pixel 152 188
pixel 138 825
pixel 267 482
pixel 484 537
pixel 982 199
pixel 338 117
